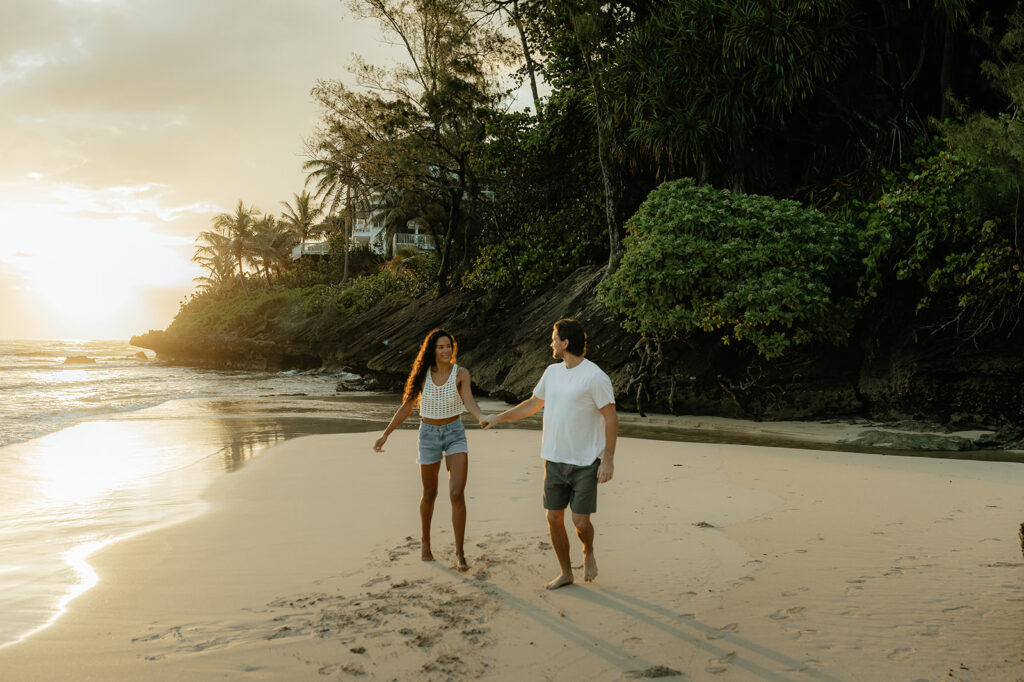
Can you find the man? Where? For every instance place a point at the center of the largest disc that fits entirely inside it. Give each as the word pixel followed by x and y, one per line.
pixel 578 445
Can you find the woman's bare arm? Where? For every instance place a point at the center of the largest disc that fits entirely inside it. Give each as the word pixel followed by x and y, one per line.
pixel 465 384
pixel 404 411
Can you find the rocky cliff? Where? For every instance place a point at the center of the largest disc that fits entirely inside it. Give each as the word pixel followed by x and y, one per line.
pixel 504 340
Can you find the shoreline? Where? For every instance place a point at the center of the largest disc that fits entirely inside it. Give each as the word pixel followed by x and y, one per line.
pixel 247 417
pixel 699 544
pixel 110 478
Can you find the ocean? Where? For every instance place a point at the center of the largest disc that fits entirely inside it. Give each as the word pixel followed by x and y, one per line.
pixel 91 453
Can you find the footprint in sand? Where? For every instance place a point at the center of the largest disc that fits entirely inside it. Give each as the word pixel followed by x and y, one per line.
pixel 956 608
pixel 901 654
pixel 793 593
pixel 336 668
pixel 717 666
pixel 631 642
pixel 722 631
pixel 783 614
pixel 378 579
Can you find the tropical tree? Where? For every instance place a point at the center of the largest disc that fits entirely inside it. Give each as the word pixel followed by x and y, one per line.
pixel 237 229
pixel 411 128
pixel 301 218
pixel 213 254
pixel 698 78
pixel 272 245
pixel 336 182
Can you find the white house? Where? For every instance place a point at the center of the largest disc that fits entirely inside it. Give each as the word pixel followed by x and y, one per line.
pixel 366 231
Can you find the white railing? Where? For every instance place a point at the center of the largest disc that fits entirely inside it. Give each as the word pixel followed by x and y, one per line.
pixel 420 241
pixel 310 249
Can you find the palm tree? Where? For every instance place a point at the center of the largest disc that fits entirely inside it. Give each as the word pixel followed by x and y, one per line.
pixel 271 246
pixel 301 218
pixel 213 254
pixel 238 227
pixel 334 177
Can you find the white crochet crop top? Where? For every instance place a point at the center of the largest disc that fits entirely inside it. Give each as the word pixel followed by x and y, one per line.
pixel 441 402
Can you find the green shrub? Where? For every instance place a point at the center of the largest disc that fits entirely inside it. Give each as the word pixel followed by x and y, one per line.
pixel 239 309
pixel 748 268
pixel 404 280
pixel 534 259
pixel 929 227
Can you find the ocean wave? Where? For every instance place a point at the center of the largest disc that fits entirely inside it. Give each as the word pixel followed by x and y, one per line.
pixel 21 428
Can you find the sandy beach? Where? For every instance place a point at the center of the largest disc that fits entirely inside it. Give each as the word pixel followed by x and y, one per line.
pixel 716 561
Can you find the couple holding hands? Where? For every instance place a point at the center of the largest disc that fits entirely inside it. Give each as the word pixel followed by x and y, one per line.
pixel 578 443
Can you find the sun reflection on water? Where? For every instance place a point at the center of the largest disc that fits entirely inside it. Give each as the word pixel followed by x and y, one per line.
pixel 81 463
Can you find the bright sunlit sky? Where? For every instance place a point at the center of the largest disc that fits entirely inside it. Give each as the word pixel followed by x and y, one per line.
pixel 125 125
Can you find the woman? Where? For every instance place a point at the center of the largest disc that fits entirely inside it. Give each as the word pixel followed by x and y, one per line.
pixel 443 392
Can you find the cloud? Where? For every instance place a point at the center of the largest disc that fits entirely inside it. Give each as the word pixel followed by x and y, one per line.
pixel 134 121
pixel 199 96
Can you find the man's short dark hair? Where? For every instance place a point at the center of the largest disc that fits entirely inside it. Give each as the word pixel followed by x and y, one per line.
pixel 572 331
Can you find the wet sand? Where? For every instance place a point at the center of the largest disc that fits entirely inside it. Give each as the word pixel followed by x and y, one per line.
pixel 717 561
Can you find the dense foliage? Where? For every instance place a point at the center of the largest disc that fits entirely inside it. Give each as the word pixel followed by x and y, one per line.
pixel 900 122
pixel 543 218
pixel 929 229
pixel 744 267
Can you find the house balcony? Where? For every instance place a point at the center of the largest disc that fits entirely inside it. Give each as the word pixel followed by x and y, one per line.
pixel 310 249
pixel 422 242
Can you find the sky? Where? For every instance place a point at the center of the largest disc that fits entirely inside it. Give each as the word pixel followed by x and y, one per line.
pixel 126 125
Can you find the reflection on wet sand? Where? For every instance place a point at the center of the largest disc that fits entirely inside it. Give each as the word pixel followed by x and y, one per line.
pixel 243 438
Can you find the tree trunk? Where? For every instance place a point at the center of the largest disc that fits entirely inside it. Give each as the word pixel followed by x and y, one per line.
pixel 347 229
pixel 449 240
pixel 531 68
pixel 739 155
pixel 946 75
pixel 614 244
pixel 605 137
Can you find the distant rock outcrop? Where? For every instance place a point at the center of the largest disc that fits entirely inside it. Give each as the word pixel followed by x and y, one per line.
pixel 78 360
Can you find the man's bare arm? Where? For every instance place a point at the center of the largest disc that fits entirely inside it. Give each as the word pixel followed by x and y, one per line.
pixel 611 433
pixel 528 407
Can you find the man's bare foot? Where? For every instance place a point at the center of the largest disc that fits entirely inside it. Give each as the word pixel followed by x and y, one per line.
pixel 426 554
pixel 560 581
pixel 589 568
pixel 460 563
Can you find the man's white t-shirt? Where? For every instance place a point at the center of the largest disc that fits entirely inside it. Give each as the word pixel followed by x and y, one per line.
pixel 573 425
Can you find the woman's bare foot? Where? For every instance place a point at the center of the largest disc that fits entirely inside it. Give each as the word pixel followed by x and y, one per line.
pixel 560 581
pixel 426 554
pixel 460 563
pixel 589 568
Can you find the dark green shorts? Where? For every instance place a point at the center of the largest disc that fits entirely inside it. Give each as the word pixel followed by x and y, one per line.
pixel 572 486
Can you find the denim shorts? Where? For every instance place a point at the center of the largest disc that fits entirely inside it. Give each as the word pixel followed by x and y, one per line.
pixel 434 440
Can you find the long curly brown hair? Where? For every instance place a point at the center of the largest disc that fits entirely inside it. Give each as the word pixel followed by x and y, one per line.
pixel 425 359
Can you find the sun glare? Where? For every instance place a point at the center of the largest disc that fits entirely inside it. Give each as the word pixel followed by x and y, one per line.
pixel 81 463
pixel 87 268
